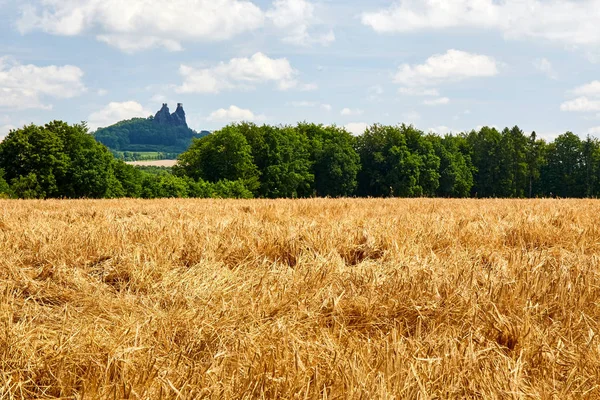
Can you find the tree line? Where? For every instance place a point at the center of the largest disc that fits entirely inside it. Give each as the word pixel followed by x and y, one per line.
pixel 62 161
pixel 246 160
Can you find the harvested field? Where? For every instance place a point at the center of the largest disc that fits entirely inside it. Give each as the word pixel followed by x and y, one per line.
pixel 153 163
pixel 327 299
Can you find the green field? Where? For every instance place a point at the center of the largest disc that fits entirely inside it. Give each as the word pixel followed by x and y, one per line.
pixel 143 155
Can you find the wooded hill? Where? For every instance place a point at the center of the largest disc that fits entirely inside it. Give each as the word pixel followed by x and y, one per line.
pixel 165 133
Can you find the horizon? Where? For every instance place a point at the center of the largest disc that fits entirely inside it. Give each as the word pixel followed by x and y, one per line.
pixel 285 61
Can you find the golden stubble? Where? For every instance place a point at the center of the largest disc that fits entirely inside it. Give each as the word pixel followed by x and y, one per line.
pixel 328 299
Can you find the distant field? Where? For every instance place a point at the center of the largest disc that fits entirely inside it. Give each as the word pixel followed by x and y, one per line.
pixel 336 299
pixel 155 163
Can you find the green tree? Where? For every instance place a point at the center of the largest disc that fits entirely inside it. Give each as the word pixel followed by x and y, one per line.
pixel 129 177
pixel 564 173
pixel 164 186
pixel 397 161
pixel 222 155
pixel 58 160
pixel 486 155
pixel 535 159
pixel 429 163
pixel 282 156
pixel 456 170
pixel 27 187
pixel 35 151
pixel 231 190
pixel 4 187
pixel 590 149
pixel 335 162
pixel 512 180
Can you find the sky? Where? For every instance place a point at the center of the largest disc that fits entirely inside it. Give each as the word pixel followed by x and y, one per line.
pixel 444 66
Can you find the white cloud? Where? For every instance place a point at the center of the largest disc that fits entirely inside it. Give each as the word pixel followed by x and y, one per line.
pixel 545 67
pixel 437 102
pixel 453 66
pixel 102 92
pixel 326 107
pixel 594 131
pixel 590 89
pixel 581 104
pixel 239 73
pixel 349 112
pixel 356 128
pixel 588 99
pixel 571 23
pixel 233 114
pixel 5 129
pixel 374 93
pixel 25 86
pixel 141 24
pixel 418 91
pixel 132 44
pixel 115 112
pixel 440 130
pixel 295 18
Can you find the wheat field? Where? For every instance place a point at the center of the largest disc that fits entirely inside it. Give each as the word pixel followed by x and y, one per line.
pixel 304 299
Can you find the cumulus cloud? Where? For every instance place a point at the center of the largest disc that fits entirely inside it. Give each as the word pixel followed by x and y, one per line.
pixel 115 112
pixel 581 104
pixel 132 44
pixel 374 93
pixel 590 89
pixel 27 86
pixel 437 102
pixel 234 114
pixel 440 130
pixel 551 20
pixel 452 66
pixel 588 99
pixel 5 129
pixel 356 128
pixel 141 24
pixel 296 19
pixel 240 73
pixel 545 67
pixel 594 131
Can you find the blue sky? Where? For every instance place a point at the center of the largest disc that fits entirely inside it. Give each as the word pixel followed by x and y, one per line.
pixel 441 65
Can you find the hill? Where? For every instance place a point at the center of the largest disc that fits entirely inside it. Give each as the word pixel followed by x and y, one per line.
pixel 164 133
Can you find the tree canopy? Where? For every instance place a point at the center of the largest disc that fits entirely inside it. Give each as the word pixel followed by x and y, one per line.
pixel 247 160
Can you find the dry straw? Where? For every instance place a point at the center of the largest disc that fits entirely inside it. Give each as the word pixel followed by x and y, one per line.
pixel 328 299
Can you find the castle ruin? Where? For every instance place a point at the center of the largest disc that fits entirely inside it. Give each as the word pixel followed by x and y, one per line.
pixel 164 116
